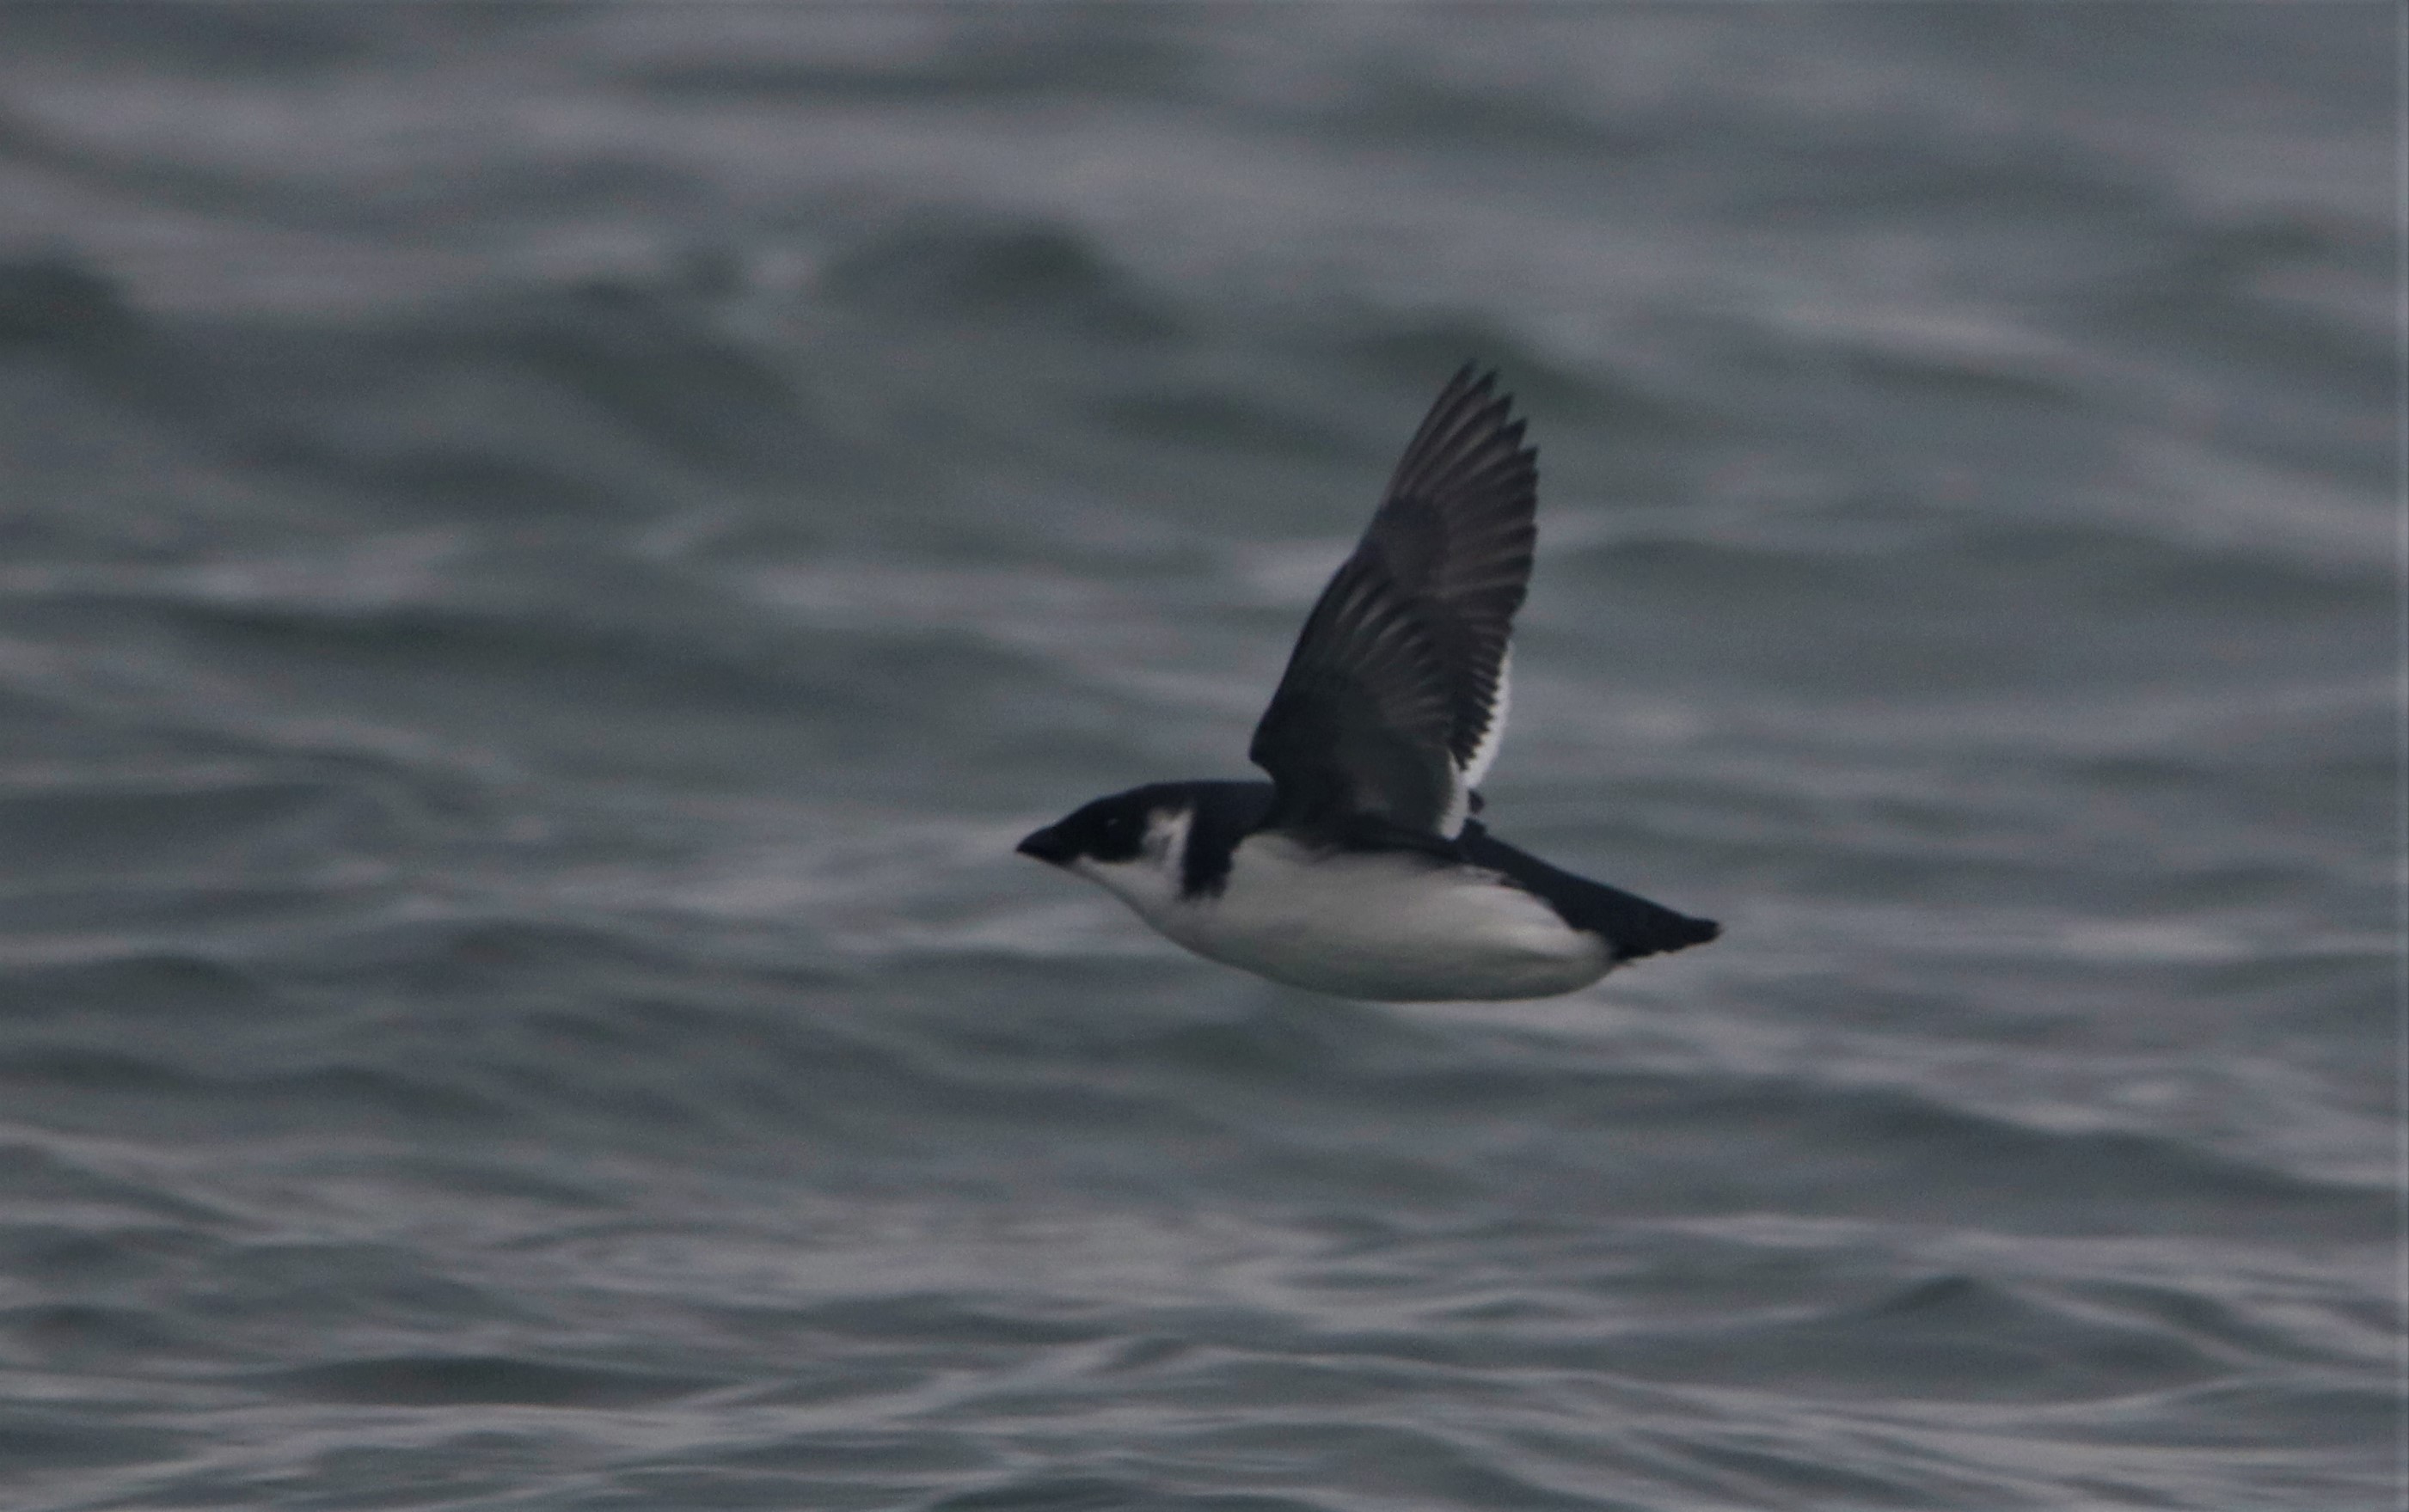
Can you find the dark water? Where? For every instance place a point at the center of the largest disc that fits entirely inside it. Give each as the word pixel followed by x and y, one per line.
pixel 549 552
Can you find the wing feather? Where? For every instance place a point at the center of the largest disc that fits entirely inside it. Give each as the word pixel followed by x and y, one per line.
pixel 1394 700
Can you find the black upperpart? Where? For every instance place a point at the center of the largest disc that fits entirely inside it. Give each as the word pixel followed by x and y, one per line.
pixel 1631 923
pixel 1222 814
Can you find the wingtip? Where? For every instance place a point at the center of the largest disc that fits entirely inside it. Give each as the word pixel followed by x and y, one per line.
pixel 1663 932
pixel 1470 423
pixel 1472 378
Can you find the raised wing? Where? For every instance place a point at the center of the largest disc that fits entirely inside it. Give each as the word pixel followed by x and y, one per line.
pixel 1395 696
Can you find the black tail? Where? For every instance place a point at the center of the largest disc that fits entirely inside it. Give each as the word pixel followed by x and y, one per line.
pixel 1631 925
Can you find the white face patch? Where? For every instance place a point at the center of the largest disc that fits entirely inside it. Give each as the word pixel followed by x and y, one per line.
pixel 1148 881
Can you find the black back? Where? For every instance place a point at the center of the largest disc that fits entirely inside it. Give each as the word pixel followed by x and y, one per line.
pixel 1632 924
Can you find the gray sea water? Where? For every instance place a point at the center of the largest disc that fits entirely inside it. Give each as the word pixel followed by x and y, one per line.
pixel 547 552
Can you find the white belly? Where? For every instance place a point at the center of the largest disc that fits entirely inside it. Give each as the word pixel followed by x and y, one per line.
pixel 1383 927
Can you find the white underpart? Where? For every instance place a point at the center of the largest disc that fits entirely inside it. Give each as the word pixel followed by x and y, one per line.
pixel 1471 774
pixel 1388 925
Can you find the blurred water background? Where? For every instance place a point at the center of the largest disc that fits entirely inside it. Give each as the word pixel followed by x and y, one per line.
pixel 548 552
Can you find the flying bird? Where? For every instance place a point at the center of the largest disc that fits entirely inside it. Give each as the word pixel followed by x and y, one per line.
pixel 1358 869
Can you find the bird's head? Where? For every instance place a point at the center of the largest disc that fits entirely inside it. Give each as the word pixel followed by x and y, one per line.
pixel 1131 843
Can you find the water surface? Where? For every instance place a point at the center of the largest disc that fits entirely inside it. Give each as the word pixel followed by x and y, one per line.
pixel 552 551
